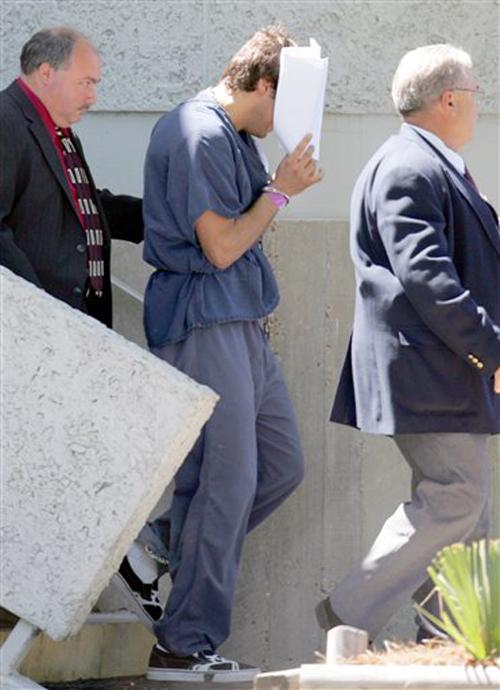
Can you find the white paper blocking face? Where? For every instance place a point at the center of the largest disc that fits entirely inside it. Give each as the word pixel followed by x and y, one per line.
pixel 300 96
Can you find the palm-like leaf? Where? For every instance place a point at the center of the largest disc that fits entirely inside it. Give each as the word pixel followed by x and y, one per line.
pixel 467 580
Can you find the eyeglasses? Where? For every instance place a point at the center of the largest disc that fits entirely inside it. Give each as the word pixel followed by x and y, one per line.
pixel 462 88
pixel 477 93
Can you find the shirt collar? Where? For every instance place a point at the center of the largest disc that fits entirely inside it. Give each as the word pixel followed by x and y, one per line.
pixel 42 111
pixel 451 156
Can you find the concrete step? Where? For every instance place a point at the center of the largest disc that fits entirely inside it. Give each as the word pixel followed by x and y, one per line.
pixel 97 651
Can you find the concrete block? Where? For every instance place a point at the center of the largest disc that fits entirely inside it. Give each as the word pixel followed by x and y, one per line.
pixel 94 428
pixel 344 642
pixel 96 651
pixel 18 682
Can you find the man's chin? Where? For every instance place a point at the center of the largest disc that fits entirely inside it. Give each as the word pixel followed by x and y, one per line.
pixel 262 135
pixel 80 113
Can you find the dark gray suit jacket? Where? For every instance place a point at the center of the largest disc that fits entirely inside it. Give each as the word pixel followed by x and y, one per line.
pixel 41 237
pixel 426 334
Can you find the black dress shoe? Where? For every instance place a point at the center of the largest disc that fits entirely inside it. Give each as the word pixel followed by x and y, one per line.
pixel 427 631
pixel 326 616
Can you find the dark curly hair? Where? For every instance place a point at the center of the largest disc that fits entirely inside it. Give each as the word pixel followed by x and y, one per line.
pixel 258 59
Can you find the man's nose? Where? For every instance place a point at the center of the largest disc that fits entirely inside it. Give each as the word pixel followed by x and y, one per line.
pixel 91 95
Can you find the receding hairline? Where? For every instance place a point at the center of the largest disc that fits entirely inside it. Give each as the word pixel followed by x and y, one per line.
pixel 72 37
pixel 78 37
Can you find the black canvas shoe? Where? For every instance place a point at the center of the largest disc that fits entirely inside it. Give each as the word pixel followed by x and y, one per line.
pixel 200 667
pixel 137 596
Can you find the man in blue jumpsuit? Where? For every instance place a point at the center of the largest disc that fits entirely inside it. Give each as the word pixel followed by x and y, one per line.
pixel 208 199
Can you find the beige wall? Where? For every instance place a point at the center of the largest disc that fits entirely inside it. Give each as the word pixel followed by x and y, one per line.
pixel 348 140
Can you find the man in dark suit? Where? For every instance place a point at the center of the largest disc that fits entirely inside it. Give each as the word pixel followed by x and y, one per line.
pixel 56 227
pixel 424 357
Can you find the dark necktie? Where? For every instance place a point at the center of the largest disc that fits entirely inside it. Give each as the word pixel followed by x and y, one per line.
pixel 89 212
pixel 470 179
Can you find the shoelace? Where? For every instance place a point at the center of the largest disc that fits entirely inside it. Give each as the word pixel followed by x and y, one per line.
pixel 152 554
pixel 217 659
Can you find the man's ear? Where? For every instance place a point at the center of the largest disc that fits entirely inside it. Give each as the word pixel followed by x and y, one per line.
pixel 45 72
pixel 264 86
pixel 447 101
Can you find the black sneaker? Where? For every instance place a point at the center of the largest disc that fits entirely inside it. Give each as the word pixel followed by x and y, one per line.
pixel 137 596
pixel 200 667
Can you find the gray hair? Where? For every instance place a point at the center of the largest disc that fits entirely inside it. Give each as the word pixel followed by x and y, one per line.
pixel 424 73
pixel 53 45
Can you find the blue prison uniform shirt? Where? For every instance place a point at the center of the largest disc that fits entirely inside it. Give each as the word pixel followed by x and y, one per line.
pixel 196 162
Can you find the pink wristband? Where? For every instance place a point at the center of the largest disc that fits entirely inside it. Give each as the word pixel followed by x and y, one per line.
pixel 279 199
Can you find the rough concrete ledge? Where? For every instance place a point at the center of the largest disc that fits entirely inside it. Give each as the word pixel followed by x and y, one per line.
pixel 390 677
pixel 94 428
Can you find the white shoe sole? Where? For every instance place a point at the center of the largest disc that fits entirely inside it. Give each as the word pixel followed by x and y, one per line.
pixel 179 676
pixel 129 602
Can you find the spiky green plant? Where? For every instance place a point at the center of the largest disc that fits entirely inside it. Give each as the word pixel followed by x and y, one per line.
pixel 467 580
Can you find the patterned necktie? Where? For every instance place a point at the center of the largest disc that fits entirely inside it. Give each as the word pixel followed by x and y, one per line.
pixel 90 215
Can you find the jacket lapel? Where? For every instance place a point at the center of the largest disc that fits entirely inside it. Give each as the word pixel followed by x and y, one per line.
pixel 43 140
pixel 482 208
pixel 484 211
pixel 52 157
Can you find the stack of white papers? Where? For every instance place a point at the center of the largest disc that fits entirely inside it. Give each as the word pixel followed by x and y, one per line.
pixel 300 96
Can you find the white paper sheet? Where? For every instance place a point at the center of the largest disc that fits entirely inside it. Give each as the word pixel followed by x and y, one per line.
pixel 300 96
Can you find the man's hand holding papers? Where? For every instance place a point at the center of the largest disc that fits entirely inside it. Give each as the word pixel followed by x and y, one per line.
pixel 298 170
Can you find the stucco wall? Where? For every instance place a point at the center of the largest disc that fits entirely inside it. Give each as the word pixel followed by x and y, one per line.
pixel 160 51
pixel 156 53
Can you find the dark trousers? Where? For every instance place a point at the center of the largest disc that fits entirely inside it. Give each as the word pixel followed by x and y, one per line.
pixel 246 461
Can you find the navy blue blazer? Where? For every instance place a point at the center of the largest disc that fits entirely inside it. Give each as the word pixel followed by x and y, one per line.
pixel 426 335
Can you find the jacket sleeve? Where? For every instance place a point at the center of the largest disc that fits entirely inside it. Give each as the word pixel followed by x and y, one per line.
pixel 11 256
pixel 124 216
pixel 412 227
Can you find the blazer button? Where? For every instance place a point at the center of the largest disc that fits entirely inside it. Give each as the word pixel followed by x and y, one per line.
pixel 81 248
pixel 480 365
pixel 77 290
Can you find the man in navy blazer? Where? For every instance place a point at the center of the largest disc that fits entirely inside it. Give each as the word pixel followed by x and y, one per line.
pixel 423 363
